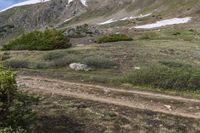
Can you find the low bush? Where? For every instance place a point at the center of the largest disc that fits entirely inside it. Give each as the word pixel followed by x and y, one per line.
pixel 99 62
pixel 15 107
pixel 42 65
pixel 113 38
pixel 64 62
pixel 11 130
pixel 16 64
pixel 5 56
pixel 165 77
pixel 37 40
pixel 93 61
pixel 52 56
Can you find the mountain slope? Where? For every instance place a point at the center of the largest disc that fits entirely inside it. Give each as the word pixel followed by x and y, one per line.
pixel 64 13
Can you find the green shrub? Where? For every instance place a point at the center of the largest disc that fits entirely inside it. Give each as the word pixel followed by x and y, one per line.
pixel 16 64
pixel 48 40
pixel 113 38
pixel 15 107
pixel 10 130
pixel 165 77
pixel 99 62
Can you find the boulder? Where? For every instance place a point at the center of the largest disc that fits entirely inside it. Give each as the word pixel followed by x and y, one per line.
pixel 79 67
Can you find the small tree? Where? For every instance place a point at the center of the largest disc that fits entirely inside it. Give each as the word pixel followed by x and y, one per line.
pixel 16 114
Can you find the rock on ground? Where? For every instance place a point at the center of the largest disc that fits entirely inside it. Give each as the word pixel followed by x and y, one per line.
pixel 79 67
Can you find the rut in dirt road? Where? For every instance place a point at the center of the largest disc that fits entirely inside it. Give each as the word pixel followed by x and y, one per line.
pixel 134 99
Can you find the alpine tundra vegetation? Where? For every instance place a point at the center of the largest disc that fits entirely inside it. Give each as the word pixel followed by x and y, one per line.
pixel 100 66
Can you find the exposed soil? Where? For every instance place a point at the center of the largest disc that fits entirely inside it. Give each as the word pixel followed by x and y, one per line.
pixel 134 99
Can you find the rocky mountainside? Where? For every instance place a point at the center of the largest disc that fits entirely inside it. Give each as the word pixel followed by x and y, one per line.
pixel 117 13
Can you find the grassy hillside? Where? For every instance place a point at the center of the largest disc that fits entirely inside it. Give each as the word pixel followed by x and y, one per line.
pixel 111 62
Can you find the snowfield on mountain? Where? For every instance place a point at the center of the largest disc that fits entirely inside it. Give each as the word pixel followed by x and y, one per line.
pixel 166 22
pixel 123 19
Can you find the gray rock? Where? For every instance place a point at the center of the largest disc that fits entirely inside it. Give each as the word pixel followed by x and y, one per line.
pixel 82 31
pixel 169 107
pixel 79 67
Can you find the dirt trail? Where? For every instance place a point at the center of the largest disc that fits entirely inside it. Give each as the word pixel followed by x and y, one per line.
pixel 134 99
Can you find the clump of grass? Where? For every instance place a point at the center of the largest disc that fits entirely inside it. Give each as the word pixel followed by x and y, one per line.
pixel 168 34
pixel 174 64
pixel 99 62
pixel 113 38
pixel 16 64
pixel 52 56
pixel 148 36
pixel 5 56
pixel 65 61
pixel 165 77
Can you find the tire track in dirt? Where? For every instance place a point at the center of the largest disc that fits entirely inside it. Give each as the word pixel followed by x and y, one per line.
pixel 173 105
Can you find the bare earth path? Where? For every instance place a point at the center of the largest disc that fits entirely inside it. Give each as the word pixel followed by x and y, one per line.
pixel 174 105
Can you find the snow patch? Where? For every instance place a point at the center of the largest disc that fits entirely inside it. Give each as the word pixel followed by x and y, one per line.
pixel 68 19
pixel 28 2
pixel 123 19
pixel 84 2
pixel 107 22
pixel 69 1
pixel 133 17
pixel 166 22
